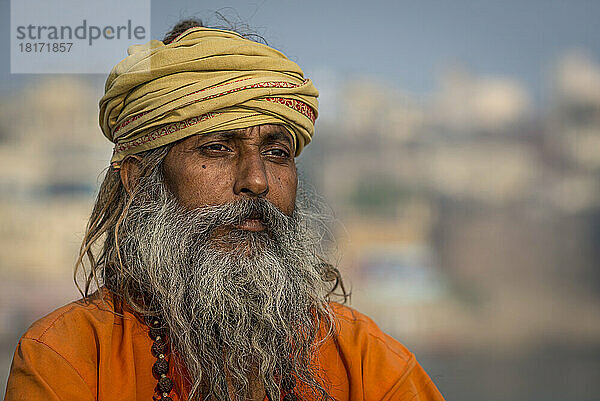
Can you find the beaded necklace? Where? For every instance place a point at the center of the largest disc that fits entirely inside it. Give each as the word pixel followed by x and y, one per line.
pixel 160 368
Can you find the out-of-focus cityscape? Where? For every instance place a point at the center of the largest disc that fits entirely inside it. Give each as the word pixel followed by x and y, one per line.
pixel 469 218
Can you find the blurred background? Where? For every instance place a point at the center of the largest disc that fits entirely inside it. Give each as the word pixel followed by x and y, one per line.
pixel 458 144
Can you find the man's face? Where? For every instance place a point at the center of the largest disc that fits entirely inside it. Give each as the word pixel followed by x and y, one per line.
pixel 254 299
pixel 219 168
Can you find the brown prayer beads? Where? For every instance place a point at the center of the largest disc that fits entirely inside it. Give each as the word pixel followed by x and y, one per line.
pixel 159 347
pixel 165 385
pixel 160 368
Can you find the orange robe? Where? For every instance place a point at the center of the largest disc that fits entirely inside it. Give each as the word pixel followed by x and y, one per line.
pixel 85 352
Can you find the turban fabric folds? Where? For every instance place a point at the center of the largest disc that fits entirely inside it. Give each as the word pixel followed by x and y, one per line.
pixel 206 80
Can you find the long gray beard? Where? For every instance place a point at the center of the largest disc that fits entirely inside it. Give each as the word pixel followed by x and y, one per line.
pixel 243 310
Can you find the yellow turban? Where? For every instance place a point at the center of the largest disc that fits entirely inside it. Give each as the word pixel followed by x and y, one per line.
pixel 206 80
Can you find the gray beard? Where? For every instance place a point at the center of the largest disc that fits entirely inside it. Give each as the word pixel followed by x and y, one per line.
pixel 243 310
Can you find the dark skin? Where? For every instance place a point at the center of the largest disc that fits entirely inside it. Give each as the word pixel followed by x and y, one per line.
pixel 219 168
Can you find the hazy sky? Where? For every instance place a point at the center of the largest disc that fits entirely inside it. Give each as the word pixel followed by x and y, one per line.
pixel 404 42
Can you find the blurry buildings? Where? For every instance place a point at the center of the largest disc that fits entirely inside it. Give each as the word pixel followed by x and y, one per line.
pixel 470 221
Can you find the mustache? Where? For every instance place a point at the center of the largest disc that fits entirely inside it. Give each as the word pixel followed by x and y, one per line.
pixel 206 219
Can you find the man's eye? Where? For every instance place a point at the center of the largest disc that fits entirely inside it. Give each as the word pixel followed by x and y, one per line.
pixel 277 153
pixel 215 147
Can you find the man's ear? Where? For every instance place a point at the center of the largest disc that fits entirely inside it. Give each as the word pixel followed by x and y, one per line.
pixel 130 172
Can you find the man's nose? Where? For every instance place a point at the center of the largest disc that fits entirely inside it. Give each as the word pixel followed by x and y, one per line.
pixel 251 177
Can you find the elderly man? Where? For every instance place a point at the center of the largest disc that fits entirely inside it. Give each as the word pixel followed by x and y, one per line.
pixel 211 281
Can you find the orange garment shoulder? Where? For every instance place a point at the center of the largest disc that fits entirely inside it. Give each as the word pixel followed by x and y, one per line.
pixel 84 351
pixel 364 363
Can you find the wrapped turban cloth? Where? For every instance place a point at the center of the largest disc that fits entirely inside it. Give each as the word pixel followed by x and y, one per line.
pixel 206 80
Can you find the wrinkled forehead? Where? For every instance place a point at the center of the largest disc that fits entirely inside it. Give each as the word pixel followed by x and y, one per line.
pixel 261 133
